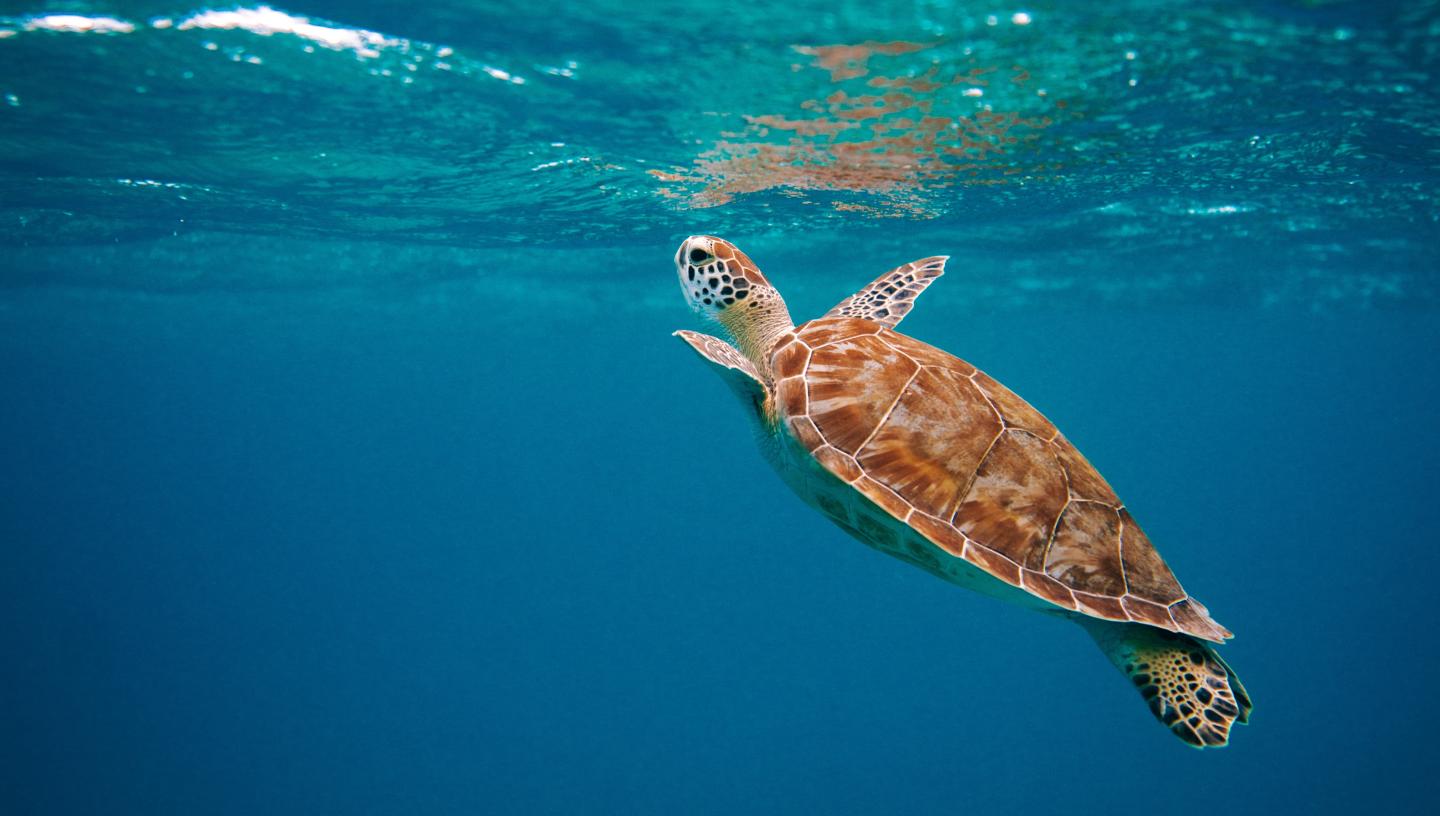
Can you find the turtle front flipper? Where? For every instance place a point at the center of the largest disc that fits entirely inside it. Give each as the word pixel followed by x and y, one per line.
pixel 734 368
pixel 1190 689
pixel 890 297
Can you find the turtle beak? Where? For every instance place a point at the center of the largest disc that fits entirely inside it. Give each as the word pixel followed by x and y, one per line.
pixel 682 268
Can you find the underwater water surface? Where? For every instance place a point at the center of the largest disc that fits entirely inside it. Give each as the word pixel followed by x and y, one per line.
pixel 347 463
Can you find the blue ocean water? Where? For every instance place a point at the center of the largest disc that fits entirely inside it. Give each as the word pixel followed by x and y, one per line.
pixel 347 464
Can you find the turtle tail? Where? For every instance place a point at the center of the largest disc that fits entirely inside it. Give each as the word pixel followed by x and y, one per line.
pixel 1189 688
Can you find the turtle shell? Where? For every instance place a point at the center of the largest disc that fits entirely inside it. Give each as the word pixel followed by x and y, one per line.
pixel 972 467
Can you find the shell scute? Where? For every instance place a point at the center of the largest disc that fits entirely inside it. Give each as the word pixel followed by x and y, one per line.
pixel 853 383
pixel 1085 481
pixel 945 537
pixel 1085 553
pixel 790 394
pixel 805 431
pixel 931 469
pixel 1192 616
pixel 1017 412
pixel 1100 606
pixel 1016 497
pixel 927 355
pixel 1143 611
pixel 837 463
pixel 790 360
pixel 1146 573
pixel 883 496
pixel 994 563
pixel 1038 583
pixel 819 333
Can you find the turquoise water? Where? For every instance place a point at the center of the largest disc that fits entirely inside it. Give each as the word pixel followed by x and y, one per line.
pixel 349 465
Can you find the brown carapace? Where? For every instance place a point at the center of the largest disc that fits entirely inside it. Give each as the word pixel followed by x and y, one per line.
pixel 953 453
pixel 923 456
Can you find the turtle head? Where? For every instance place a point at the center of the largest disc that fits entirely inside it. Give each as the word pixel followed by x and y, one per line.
pixel 723 284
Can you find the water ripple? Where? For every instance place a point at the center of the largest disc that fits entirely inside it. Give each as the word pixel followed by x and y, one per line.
pixel 1146 130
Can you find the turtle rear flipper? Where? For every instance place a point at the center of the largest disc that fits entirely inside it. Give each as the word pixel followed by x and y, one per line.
pixel 1189 687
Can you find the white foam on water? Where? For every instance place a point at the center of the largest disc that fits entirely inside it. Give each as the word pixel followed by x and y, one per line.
pixel 263 21
pixel 78 24
pixel 503 76
pixel 1222 209
pixel 266 22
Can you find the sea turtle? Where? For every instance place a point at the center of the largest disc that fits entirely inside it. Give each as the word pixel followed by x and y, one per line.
pixel 922 456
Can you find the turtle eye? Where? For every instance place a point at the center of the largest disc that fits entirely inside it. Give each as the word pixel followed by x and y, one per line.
pixel 698 256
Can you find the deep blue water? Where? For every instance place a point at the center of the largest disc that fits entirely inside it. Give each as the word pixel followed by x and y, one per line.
pixel 347 464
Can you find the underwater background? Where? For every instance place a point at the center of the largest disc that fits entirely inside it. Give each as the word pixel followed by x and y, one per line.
pixel 347 464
